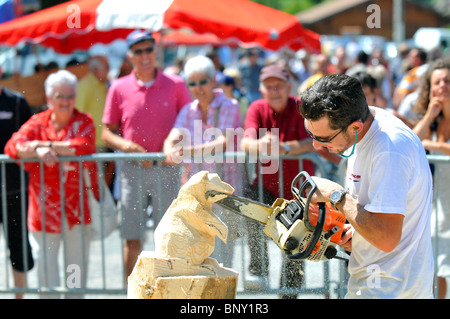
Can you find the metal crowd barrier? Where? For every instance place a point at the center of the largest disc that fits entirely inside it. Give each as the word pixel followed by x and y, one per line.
pixel 106 274
pixel 437 161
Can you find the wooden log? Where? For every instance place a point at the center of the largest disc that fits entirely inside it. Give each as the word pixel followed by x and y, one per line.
pixel 156 277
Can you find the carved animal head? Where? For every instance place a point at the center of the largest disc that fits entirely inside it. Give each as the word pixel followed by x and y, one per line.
pixel 203 181
pixel 188 228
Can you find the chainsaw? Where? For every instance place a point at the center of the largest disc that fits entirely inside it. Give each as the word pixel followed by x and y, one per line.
pixel 300 229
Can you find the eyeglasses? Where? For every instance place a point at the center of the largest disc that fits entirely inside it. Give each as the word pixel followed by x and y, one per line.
pixel 202 82
pixel 276 88
pixel 64 97
pixel 323 141
pixel 146 50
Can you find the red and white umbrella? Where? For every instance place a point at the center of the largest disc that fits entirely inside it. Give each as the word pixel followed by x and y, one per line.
pixel 79 24
pixel 184 37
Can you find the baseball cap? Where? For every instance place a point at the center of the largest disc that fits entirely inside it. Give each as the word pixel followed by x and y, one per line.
pixel 138 36
pixel 225 79
pixel 274 71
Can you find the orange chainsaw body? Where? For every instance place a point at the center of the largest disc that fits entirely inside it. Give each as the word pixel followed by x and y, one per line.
pixel 333 218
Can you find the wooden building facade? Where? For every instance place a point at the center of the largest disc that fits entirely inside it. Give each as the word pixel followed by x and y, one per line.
pixel 369 17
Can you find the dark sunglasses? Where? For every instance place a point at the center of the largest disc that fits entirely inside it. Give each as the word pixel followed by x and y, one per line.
pixel 64 97
pixel 202 82
pixel 146 50
pixel 323 141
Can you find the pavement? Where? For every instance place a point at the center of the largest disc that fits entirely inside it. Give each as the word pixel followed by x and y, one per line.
pixel 106 274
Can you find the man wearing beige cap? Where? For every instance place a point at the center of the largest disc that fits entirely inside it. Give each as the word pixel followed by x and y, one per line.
pixel 274 125
pixel 139 113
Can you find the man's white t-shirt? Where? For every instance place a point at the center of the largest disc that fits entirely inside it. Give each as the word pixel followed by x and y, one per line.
pixel 389 173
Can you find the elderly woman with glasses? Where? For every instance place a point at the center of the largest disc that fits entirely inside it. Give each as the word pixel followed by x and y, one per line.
pixel 55 213
pixel 206 128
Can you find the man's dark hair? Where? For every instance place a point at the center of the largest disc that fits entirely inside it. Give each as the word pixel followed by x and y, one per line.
pixel 366 80
pixel 422 54
pixel 362 57
pixel 338 96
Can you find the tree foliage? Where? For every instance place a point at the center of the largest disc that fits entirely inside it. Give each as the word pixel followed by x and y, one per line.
pixel 296 6
pixel 289 6
pixel 50 3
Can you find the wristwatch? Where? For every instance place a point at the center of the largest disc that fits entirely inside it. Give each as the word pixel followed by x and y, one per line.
pixel 287 148
pixel 336 197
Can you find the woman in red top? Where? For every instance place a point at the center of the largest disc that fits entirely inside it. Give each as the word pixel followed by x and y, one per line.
pixel 59 131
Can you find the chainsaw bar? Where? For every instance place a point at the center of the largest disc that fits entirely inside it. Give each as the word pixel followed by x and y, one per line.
pixel 243 206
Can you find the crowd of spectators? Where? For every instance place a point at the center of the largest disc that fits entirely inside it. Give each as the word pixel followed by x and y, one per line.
pixel 147 110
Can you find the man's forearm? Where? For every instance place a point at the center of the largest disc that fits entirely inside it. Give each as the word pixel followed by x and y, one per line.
pixel 114 141
pixel 300 147
pixel 250 145
pixel 382 230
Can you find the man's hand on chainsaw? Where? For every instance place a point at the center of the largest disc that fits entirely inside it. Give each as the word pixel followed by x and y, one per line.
pixel 346 239
pixel 324 189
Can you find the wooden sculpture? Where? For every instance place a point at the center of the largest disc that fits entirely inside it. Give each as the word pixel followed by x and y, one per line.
pixel 180 266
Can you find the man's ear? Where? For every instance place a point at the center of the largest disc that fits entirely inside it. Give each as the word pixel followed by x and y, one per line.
pixel 289 85
pixel 358 125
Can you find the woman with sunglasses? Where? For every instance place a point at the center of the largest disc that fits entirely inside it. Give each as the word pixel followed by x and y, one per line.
pixel 204 129
pixel 59 131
